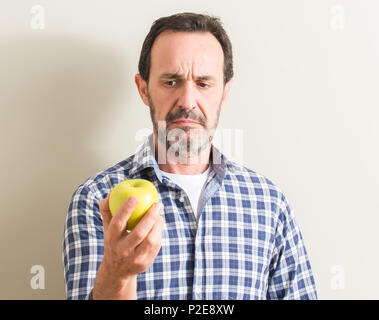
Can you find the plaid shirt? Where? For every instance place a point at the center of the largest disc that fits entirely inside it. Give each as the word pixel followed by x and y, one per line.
pixel 245 244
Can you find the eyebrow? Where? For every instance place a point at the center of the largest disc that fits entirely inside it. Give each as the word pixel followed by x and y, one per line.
pixel 181 76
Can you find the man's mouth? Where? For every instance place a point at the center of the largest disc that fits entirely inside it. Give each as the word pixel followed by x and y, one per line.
pixel 185 122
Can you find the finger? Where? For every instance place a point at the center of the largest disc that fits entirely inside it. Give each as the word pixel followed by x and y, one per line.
pixel 105 212
pixel 140 231
pixel 154 237
pixel 117 225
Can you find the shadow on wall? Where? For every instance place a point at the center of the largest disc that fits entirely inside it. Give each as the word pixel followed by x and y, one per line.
pixel 56 92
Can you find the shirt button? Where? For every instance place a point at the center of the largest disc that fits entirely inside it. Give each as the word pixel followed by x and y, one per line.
pixel 197 290
pixel 181 199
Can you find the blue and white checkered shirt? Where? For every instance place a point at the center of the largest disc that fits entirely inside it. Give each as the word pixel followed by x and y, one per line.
pixel 245 243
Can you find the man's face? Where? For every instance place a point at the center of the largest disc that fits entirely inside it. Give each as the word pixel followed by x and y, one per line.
pixel 186 83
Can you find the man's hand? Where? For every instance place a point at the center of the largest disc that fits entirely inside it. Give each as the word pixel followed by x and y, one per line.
pixel 126 254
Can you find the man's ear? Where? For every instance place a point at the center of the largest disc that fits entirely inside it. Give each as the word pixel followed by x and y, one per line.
pixel 142 88
pixel 226 93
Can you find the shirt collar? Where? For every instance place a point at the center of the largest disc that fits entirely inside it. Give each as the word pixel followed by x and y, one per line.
pixel 145 158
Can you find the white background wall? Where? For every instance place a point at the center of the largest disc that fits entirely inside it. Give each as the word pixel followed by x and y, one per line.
pixel 304 96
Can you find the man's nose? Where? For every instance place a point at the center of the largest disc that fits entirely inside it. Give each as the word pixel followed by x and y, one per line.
pixel 188 98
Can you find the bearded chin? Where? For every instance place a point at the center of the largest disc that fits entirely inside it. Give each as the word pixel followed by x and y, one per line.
pixel 193 141
pixel 184 142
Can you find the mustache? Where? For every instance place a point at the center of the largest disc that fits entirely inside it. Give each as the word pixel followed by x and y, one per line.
pixel 186 114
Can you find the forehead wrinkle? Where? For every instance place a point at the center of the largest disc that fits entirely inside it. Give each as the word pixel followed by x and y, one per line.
pixel 185 65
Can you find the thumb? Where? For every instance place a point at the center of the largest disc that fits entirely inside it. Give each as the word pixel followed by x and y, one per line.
pixel 105 212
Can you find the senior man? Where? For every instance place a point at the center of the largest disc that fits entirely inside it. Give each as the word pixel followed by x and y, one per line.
pixel 220 230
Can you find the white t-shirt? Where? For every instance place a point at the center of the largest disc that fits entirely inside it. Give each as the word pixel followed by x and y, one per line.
pixel 192 184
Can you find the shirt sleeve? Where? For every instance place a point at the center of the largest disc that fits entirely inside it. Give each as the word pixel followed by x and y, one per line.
pixel 83 244
pixel 290 274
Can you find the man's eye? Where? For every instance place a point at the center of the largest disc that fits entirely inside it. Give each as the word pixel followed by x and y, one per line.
pixel 203 84
pixel 170 83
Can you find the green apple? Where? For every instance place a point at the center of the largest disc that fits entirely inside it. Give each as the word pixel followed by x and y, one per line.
pixel 143 189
